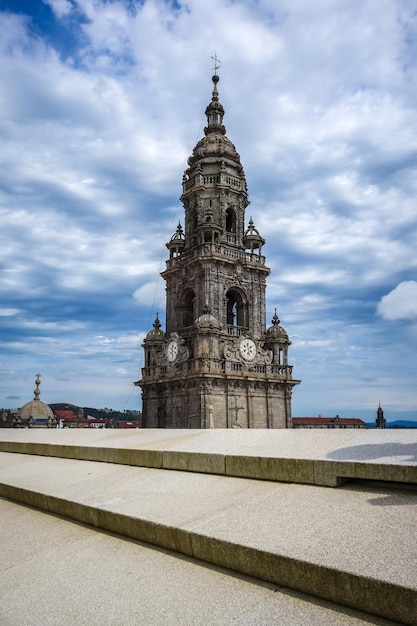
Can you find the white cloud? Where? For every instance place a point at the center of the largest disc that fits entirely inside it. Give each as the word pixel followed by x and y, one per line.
pixel 60 7
pixel 320 103
pixel 400 303
pixel 151 294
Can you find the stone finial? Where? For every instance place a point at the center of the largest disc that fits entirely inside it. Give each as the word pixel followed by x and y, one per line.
pixel 157 323
pixel 37 391
pixel 275 320
pixel 179 233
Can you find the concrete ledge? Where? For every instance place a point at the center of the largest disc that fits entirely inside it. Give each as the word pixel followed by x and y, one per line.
pixel 335 473
pixel 336 544
pixel 122 456
pixel 271 468
pixel 38 546
pixel 379 598
pixel 374 596
pixel 194 462
pixel 264 455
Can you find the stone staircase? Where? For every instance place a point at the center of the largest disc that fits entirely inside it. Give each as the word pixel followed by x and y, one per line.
pixel 328 513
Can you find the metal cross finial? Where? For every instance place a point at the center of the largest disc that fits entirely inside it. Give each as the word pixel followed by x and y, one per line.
pixel 217 63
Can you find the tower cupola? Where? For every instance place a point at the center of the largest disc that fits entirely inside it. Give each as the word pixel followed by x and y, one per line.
pixel 252 239
pixel 277 340
pixel 215 111
pixel 214 185
pixel 177 242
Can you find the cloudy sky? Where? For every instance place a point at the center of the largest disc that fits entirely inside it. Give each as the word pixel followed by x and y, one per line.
pixel 102 102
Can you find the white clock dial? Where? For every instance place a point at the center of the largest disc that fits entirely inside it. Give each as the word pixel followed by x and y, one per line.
pixel 172 351
pixel 248 349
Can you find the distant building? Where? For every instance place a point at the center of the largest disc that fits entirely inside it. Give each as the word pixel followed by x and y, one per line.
pixel 380 421
pixel 8 418
pixel 68 418
pixel 35 414
pixel 328 422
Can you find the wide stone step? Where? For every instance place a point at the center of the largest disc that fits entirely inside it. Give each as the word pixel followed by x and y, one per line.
pixel 354 545
pixel 81 576
pixel 315 457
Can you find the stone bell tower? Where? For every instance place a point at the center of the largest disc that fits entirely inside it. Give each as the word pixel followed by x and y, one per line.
pixel 216 366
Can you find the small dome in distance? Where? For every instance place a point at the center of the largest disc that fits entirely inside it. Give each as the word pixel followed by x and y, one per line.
pixel 36 409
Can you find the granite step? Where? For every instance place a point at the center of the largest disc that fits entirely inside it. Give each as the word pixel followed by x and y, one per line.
pixel 355 545
pixel 79 575
pixel 315 457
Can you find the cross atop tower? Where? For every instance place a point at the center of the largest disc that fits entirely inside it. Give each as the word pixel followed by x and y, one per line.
pixel 217 63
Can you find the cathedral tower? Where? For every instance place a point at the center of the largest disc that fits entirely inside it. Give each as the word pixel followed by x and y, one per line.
pixel 216 365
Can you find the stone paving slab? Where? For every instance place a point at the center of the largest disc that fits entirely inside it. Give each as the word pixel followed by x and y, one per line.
pixel 54 572
pixel 354 545
pixel 324 457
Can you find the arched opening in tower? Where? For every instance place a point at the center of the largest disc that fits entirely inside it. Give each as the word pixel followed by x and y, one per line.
pixel 187 308
pixel 237 309
pixel 231 221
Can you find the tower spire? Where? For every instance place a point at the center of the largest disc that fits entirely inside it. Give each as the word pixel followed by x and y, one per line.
pixel 215 111
pixel 380 419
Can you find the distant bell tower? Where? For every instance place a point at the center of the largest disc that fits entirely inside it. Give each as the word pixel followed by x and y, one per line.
pixel 380 419
pixel 216 365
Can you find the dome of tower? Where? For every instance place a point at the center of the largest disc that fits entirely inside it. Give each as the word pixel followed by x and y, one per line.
pixel 178 236
pixel 156 334
pixel 207 320
pixel 215 143
pixel 276 331
pixel 36 409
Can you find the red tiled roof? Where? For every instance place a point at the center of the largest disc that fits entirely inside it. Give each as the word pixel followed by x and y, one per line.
pixel 65 414
pixel 352 421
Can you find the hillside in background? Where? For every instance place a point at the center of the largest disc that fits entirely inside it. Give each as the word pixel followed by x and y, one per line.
pixel 396 424
pixel 99 413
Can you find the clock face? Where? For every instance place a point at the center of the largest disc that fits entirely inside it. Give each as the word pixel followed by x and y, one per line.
pixel 248 349
pixel 172 351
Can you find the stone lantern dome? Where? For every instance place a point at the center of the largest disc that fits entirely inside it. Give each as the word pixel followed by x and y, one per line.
pixel 36 412
pixel 277 340
pixel 252 239
pixel 177 242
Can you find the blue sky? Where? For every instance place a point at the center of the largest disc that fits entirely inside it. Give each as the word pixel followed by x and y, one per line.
pixel 102 103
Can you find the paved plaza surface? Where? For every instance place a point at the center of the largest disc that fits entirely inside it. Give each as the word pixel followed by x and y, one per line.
pixel 284 513
pixel 59 573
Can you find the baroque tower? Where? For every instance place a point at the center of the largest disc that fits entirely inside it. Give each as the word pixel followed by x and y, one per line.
pixel 216 366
